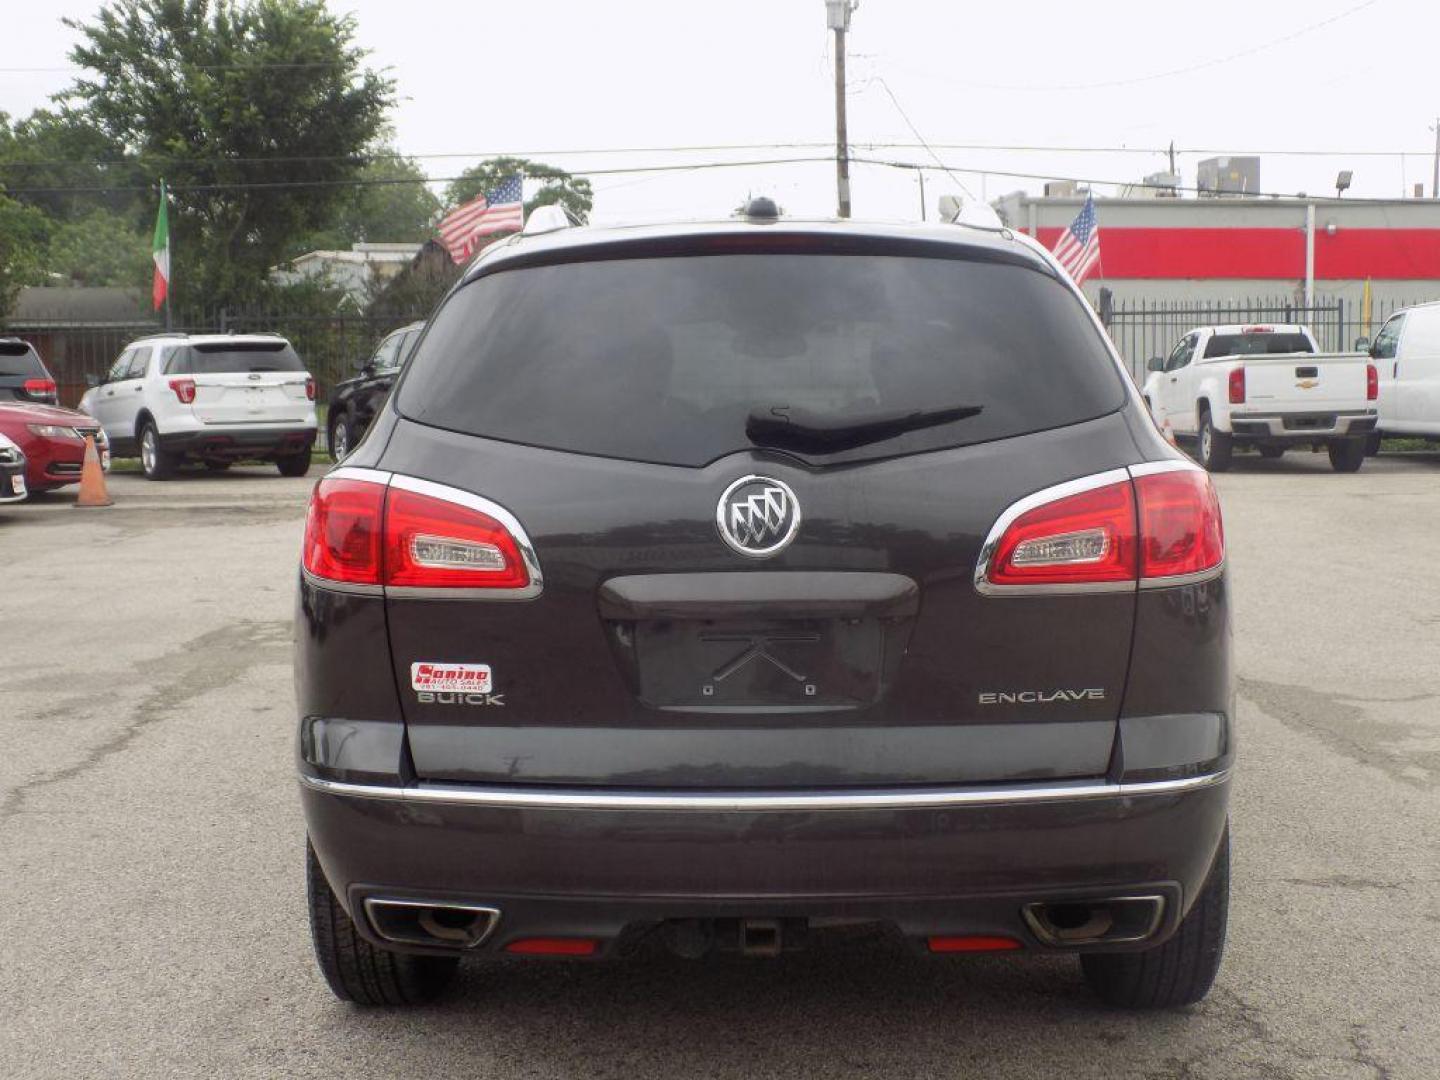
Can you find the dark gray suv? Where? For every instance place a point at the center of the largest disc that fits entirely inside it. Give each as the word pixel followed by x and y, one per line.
pixel 726 583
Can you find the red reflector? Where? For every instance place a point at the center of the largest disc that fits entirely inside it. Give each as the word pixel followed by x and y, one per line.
pixel 40 387
pixel 342 531
pixel 553 946
pixel 310 389
pixel 439 544
pixel 1372 383
pixel 1078 538
pixel 184 390
pixel 972 943
pixel 1237 386
pixel 1180 527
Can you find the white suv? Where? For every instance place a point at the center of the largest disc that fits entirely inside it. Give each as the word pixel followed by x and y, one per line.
pixel 215 398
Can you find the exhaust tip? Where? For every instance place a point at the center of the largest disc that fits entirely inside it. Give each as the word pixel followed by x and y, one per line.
pixel 424 922
pixel 1107 920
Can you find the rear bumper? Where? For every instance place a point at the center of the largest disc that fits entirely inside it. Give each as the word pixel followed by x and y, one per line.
pixel 958 861
pixel 241 442
pixel 1303 427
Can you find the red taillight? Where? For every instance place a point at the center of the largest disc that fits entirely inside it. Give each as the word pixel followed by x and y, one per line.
pixel 1086 537
pixel 1157 525
pixel 972 943
pixel 342 531
pixel 310 389
pixel 1237 386
pixel 554 946
pixel 432 543
pixel 184 390
pixel 1180 528
pixel 1372 383
pixel 364 532
pixel 40 388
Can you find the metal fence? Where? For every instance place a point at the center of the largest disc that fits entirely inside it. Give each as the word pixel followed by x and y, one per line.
pixel 1145 328
pixel 330 345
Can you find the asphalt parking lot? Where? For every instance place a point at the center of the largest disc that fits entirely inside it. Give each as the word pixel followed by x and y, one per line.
pixel 151 914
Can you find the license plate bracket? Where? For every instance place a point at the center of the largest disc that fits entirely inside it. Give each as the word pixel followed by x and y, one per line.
pixel 759 664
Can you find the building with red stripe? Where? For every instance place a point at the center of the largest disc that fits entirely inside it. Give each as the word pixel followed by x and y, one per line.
pixel 1237 248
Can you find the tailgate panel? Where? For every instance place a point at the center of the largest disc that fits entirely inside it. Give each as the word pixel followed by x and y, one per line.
pixel 861 654
pixel 1306 383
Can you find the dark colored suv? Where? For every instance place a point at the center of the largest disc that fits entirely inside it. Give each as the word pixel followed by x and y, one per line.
pixel 355 401
pixel 736 581
pixel 23 376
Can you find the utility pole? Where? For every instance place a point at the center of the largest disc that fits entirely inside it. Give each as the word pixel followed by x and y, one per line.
pixel 837 18
pixel 1172 157
pixel 1435 178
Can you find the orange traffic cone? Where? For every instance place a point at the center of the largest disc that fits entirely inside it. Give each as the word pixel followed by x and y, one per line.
pixel 92 478
pixel 1169 433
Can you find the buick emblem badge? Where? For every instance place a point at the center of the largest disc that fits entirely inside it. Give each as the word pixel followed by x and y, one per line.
pixel 758 516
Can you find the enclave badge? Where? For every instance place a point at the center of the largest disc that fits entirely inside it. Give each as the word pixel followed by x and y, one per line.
pixel 758 516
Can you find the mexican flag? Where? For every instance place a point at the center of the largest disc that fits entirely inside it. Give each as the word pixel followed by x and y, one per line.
pixel 160 252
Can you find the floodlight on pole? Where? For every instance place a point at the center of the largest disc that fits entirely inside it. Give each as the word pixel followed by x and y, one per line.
pixel 1342 182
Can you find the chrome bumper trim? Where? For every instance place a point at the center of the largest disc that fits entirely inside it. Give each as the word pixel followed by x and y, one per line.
pixel 761 801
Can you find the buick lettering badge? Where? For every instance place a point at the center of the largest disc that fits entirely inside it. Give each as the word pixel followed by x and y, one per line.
pixel 758 516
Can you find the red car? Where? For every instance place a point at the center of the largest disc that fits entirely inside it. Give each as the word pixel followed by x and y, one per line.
pixel 53 442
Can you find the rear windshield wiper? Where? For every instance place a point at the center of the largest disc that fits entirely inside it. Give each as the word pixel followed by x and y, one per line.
pixel 786 428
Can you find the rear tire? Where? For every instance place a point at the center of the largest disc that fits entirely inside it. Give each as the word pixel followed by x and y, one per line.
pixel 1372 445
pixel 294 464
pixel 342 438
pixel 155 462
pixel 1179 972
pixel 1215 447
pixel 1272 452
pixel 1347 455
pixel 357 970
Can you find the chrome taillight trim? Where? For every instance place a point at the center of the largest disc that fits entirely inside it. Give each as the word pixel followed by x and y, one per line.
pixel 743 802
pixel 1074 487
pixel 984 585
pixel 458 497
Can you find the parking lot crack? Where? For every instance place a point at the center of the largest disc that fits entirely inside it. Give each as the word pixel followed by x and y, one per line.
pixel 200 665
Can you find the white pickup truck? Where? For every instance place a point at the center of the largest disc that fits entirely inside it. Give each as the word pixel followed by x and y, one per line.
pixel 1265 386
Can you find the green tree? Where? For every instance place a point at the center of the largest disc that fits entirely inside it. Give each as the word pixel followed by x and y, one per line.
pixel 51 150
pixel 557 185
pixel 225 97
pixel 23 231
pixel 100 248
pixel 392 205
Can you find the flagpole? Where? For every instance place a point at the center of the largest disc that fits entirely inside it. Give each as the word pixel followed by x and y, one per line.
pixel 169 260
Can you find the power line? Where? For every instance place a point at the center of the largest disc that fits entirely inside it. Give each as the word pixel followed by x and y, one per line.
pixel 1186 70
pixel 916 132
pixel 159 160
pixel 390 181
pixel 1109 182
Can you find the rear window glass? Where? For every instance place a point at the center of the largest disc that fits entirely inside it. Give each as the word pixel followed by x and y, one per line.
pixel 670 359
pixel 1253 344
pixel 18 358
pixel 231 357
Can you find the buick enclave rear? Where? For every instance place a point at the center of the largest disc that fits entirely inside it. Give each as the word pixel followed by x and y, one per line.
pixel 726 583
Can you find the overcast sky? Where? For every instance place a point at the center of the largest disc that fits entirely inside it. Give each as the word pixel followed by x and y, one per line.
pixel 566 75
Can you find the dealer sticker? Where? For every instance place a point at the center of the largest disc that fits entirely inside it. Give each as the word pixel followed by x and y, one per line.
pixel 435 677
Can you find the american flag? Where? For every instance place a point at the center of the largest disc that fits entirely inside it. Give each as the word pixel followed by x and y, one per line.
pixel 488 213
pixel 1078 249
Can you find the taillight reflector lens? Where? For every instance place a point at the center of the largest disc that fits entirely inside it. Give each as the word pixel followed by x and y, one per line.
pixel 553 946
pixel 310 389
pixel 1155 525
pixel 184 390
pixel 40 388
pixel 1085 537
pixel 972 943
pixel 342 531
pixel 430 542
pixel 1180 527
pixel 1372 383
pixel 1237 386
